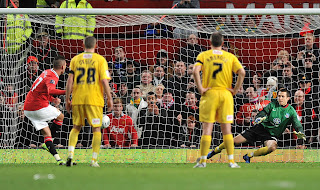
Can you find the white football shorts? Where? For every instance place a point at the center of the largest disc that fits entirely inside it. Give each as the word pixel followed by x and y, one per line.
pixel 40 117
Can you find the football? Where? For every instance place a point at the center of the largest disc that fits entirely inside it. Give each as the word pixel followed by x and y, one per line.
pixel 105 122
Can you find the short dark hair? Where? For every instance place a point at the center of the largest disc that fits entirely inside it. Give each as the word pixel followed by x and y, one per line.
pixel 150 94
pixel 58 61
pixel 216 39
pixel 284 90
pixel 89 42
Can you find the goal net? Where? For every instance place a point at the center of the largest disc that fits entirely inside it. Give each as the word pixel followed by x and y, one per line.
pixel 156 53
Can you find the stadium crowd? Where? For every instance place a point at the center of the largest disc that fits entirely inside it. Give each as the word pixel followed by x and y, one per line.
pixel 161 102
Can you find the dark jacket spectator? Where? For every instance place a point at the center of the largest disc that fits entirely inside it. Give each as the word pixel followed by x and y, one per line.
pixel 189 53
pixel 44 52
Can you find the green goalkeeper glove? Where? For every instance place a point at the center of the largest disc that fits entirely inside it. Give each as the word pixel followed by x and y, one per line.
pixel 300 135
pixel 259 120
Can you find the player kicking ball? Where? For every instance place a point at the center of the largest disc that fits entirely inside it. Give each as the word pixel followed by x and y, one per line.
pixel 269 125
pixel 37 108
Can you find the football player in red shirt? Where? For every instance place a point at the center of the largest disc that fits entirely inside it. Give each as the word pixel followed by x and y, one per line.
pixel 120 126
pixel 37 108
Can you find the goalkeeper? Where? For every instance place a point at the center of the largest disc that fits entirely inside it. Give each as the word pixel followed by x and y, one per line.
pixel 269 124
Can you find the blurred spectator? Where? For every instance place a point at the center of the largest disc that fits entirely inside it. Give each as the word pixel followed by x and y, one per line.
pixel 221 22
pixel 124 94
pixel 28 76
pixel 307 116
pixel 189 53
pixel 44 52
pixel 288 80
pixel 179 82
pixel 311 93
pixel 159 76
pixel 190 133
pixel 18 32
pixel 158 30
pixel 162 59
pixel 250 24
pixel 186 21
pixel 308 66
pixel 244 114
pixel 115 79
pixel 121 125
pixel 191 86
pixel 151 123
pixel 159 93
pixel 171 110
pixel 146 83
pixel 190 107
pixel 73 26
pixel 27 4
pixel 131 76
pixel 258 84
pixel 272 87
pixel 136 104
pixel 10 96
pixel 47 4
pixel 309 49
pixel 121 62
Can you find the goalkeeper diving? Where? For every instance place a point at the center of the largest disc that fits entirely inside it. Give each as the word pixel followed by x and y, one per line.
pixel 269 125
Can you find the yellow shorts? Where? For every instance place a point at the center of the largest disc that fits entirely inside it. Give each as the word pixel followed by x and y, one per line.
pixel 93 114
pixel 216 105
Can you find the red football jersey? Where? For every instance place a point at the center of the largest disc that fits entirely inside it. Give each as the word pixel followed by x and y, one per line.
pixel 117 132
pixel 42 90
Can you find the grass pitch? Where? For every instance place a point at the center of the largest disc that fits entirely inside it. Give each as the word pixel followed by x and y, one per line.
pixel 160 176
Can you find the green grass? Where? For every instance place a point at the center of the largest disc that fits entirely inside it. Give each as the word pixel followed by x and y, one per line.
pixel 160 176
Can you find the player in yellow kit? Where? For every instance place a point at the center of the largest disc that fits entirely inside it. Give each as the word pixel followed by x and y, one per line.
pixel 88 80
pixel 216 91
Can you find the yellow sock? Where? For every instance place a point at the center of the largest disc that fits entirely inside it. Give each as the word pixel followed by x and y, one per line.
pixel 219 148
pixel 260 152
pixel 229 144
pixel 96 142
pixel 205 143
pixel 73 139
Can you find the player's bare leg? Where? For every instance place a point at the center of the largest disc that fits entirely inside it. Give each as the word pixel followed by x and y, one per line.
pixel 73 139
pixel 204 145
pixel 96 142
pixel 49 144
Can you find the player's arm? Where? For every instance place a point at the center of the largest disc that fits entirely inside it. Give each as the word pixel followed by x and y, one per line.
pixel 196 73
pixel 69 87
pixel 296 124
pixel 263 114
pixel 241 74
pixel 107 90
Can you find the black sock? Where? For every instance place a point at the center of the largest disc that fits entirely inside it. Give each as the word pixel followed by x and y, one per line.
pixel 51 148
pixel 54 127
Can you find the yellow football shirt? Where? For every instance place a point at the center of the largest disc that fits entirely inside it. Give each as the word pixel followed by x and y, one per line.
pixel 88 69
pixel 217 68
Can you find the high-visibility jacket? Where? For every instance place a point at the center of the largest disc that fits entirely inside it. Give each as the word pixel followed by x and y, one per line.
pixel 18 30
pixel 75 26
pixel 42 4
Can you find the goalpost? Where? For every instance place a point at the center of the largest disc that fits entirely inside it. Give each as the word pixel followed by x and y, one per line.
pixel 268 42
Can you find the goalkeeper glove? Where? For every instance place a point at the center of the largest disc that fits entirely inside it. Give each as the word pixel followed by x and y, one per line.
pixel 259 120
pixel 300 135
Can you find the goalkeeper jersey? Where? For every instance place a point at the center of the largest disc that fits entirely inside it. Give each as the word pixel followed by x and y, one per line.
pixel 278 118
